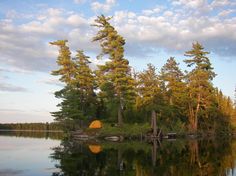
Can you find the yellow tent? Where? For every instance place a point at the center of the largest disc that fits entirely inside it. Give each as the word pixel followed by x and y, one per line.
pixel 95 124
pixel 95 148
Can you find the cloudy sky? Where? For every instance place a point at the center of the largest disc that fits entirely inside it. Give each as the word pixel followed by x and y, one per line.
pixel 154 30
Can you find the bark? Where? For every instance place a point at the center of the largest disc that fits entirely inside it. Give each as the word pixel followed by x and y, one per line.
pixel 194 153
pixel 120 118
pixel 191 118
pixel 196 113
pixel 154 123
pixel 154 152
pixel 120 163
pixel 171 101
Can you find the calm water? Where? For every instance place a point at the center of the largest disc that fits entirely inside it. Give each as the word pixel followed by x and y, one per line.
pixel 45 154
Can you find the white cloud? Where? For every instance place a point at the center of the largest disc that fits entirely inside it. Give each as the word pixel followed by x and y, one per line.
pixel 79 1
pixel 156 10
pixel 77 20
pixel 190 3
pixel 168 13
pixel 175 32
pixel 103 7
pixel 5 87
pixel 222 3
pixel 25 46
pixel 13 14
pixel 52 81
pixel 14 70
pixel 225 13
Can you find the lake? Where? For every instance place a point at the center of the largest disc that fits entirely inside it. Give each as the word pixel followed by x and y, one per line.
pixel 41 154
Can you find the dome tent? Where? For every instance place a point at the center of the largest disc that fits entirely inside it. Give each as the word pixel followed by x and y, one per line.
pixel 95 124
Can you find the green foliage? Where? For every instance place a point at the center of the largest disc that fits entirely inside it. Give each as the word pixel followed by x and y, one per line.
pixel 199 85
pixel 114 78
pixel 78 97
pixel 67 67
pixel 180 100
pixel 149 92
pixel 126 130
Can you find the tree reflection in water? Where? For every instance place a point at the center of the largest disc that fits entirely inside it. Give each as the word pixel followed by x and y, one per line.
pixel 168 158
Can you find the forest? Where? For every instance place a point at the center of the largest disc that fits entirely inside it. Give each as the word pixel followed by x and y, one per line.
pixel 31 126
pixel 114 92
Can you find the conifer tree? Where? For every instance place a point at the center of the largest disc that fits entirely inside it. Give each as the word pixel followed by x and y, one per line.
pixel 78 97
pixel 223 112
pixel 172 79
pixel 69 109
pixel 199 84
pixel 115 81
pixel 67 67
pixel 85 84
pixel 149 93
pixel 173 89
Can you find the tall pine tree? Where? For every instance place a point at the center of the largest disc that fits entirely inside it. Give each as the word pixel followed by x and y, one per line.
pixel 199 84
pixel 115 81
pixel 67 68
pixel 78 97
pixel 174 92
pixel 149 94
pixel 85 85
pixel 172 80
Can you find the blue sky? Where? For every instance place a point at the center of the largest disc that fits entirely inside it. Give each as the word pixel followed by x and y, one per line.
pixel 154 31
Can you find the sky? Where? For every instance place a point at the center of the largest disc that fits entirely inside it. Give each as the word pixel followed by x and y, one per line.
pixel 154 30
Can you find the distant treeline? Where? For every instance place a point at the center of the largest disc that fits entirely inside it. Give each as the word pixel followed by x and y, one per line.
pixel 32 126
pixel 33 134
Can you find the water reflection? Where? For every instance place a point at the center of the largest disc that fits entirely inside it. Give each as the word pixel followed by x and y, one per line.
pixel 34 134
pixel 168 158
pixel 23 155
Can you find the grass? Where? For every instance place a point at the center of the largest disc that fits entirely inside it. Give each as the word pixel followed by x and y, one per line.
pixel 125 130
pixel 136 129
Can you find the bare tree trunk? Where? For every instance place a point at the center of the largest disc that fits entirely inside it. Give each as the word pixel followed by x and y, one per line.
pixel 120 118
pixel 194 153
pixel 154 152
pixel 171 101
pixel 191 118
pixel 154 123
pixel 196 112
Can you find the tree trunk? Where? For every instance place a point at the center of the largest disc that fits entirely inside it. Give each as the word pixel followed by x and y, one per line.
pixel 120 163
pixel 194 153
pixel 191 119
pixel 120 118
pixel 171 101
pixel 154 123
pixel 154 152
pixel 196 113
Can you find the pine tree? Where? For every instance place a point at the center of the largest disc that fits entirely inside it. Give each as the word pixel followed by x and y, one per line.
pixel 172 80
pixel 173 89
pixel 69 109
pixel 67 67
pixel 78 97
pixel 85 84
pixel 223 112
pixel 149 93
pixel 115 81
pixel 198 83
